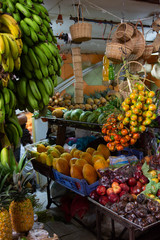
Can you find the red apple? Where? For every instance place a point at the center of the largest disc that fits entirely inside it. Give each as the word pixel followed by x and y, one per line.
pixel 137 174
pixel 143 187
pixel 113 198
pixel 101 190
pixel 143 179
pixel 139 184
pixel 94 195
pixel 132 181
pixel 131 190
pixel 114 184
pixel 117 189
pixel 136 190
pixel 103 200
pixel 122 193
pixel 139 166
pixel 158 193
pixel 124 187
pixel 109 191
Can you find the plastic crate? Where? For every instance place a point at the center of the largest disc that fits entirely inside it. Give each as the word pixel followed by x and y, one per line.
pixel 130 152
pixel 79 186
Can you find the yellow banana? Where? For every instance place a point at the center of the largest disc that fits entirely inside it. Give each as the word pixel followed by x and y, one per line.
pixel 5 64
pixel 11 24
pixel 7 49
pixel 17 63
pixel 12 44
pixel 2 45
pixel 11 63
pixel 20 46
pixel 4 29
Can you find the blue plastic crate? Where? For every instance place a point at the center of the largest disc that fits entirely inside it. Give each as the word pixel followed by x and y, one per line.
pixel 130 152
pixel 79 186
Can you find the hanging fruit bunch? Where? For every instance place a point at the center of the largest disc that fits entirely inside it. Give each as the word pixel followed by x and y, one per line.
pixel 138 112
pixel 41 62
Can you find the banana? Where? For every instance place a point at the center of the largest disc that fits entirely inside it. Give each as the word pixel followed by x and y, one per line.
pixel 17 16
pixel 47 86
pixel 12 102
pixel 11 85
pixel 29 3
pixel 10 112
pixel 6 95
pixel 14 121
pixel 44 29
pixel 54 39
pixel 4 29
pixel 25 28
pixel 27 73
pixel 41 37
pixel 10 5
pixel 41 8
pixel 17 64
pixel 2 45
pixel 37 19
pixel 7 49
pixel 20 46
pixel 38 74
pixel 23 10
pixel 5 64
pixel 52 86
pixel 33 58
pixel 49 37
pixel 45 96
pixel 52 48
pixel 41 55
pixel 12 45
pixel 48 19
pixel 59 62
pixel 46 23
pixel 55 81
pixel 9 11
pixel 2 108
pixel 32 24
pixel 51 69
pixel 12 25
pixel 26 61
pixel 35 90
pixel 34 36
pixel 22 85
pixel 45 50
pixel 55 63
pixel 31 99
pixel 25 48
pixel 11 63
pixel 5 157
pixel 44 68
pixel 0 59
pixel 42 14
pixel 59 72
pixel 28 41
pixel 15 133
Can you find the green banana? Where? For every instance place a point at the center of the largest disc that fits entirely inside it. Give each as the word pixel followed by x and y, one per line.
pixel 17 17
pixel 54 39
pixel 33 58
pixel 41 8
pixel 46 23
pixel 52 48
pixel 52 86
pixel 17 63
pixel 25 28
pixel 59 62
pixel 10 5
pixel 48 19
pixel 35 90
pixel 32 24
pixel 59 72
pixel 31 99
pixel 22 85
pixel 11 63
pixel 15 133
pixel 43 92
pixel 10 112
pixel 14 121
pixel 45 50
pixel 55 81
pixel 2 108
pixel 27 73
pixel 12 102
pixel 25 48
pixel 6 95
pixel 51 69
pixel 47 85
pixel 41 55
pixel 27 62
pixel 38 74
pixel 11 85
pixel 34 36
pixel 41 37
pixel 42 14
pixel 29 3
pixel 49 37
pixel 55 63
pixel 37 19
pixel 44 29
pixel 5 156
pixel 28 41
pixel 7 48
pixel 23 9
pixel 44 68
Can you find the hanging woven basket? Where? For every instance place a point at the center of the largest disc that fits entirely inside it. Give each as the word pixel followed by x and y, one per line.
pixel 124 32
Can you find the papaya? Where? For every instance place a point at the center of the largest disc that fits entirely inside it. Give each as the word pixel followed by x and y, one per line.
pixel 49 160
pixel 62 166
pixel 87 156
pixel 42 157
pixel 41 148
pixel 97 157
pixel 60 148
pixel 89 173
pixel 77 153
pixel 81 162
pixel 90 150
pixel 72 161
pixel 76 171
pixel 97 153
pixel 100 164
pixel 104 150
pixel 67 156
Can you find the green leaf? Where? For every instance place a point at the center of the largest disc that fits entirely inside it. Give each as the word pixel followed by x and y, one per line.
pixel 145 170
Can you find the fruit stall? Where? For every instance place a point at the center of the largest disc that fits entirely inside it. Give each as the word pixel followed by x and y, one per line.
pixel 117 167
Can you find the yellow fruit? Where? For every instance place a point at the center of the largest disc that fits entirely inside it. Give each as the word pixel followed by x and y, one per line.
pixel 76 171
pixel 81 162
pixel 54 154
pixel 100 164
pixel 89 173
pixel 153 173
pixel 67 156
pixel 41 148
pixel 62 166
pixel 104 150
pixel 72 161
pixel 77 153
pixel 43 157
pixel 97 153
pixel 72 151
pixel 49 160
pixel 155 180
pixel 22 215
pixel 87 156
pixel 60 148
pixel 90 150
pixel 97 157
pixel 54 162
pixel 5 225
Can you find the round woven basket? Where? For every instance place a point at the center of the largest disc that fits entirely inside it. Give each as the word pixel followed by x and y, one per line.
pixel 156 43
pixel 124 32
pixel 156 25
pixel 147 52
pixel 135 67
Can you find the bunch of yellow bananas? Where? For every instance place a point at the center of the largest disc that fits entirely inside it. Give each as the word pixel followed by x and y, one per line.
pixel 10 43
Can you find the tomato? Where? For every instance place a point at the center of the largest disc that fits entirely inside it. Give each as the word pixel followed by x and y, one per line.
pixel 154 116
pixel 145 107
pixel 151 94
pixel 136 135
pixel 125 144
pixel 104 130
pixel 110 146
pixel 109 127
pixel 142 128
pixel 133 117
pixel 126 120
pixel 132 107
pixel 141 93
pixel 140 119
pixel 133 96
pixel 149 114
pixel 132 141
pixel 107 138
pixel 119 147
pixel 152 107
pixel 149 100
pixel 141 87
pixel 128 113
pixel 117 137
pixel 148 121
pixel 135 110
pixel 125 108
pixel 139 105
pixel 141 98
pixel 134 129
pixel 120 126
pixel 133 123
pixel 127 137
pixel 124 131
pixel 140 112
pixel 123 140
pixel 120 117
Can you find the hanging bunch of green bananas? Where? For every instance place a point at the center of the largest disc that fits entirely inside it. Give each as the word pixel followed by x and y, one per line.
pixel 41 62
pixel 10 47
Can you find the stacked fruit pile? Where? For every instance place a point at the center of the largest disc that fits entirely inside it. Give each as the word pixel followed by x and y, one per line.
pixel 139 111
pixel 41 61
pixel 77 164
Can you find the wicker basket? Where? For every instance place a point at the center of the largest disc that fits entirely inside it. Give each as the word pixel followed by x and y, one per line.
pixel 156 43
pixel 124 32
pixel 156 25
pixel 147 52
pixel 76 51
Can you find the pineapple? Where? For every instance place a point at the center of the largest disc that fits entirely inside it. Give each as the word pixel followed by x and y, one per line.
pixel 21 209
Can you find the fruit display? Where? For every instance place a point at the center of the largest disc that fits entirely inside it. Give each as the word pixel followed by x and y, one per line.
pixel 138 112
pixel 76 163
pixel 40 59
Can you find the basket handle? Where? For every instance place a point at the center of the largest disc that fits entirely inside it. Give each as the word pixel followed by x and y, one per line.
pixel 141 26
pixel 78 8
pixel 124 65
pixel 111 31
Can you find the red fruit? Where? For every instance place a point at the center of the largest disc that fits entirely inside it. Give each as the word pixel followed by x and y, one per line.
pixel 114 184
pixel 94 195
pixel 131 189
pixel 139 167
pixel 116 180
pixel 103 200
pixel 132 181
pixel 113 198
pixel 101 190
pixel 158 193
pixel 109 191
pixel 137 174
pixel 124 187
pixel 139 184
pixel 136 190
pixel 122 193
pixel 143 179
pixel 143 187
pixel 117 189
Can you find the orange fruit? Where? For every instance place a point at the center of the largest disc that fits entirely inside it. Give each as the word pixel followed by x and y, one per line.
pixel 135 110
pixel 139 105
pixel 152 107
pixel 149 114
pixel 133 123
pixel 141 87
pixel 133 117
pixel 127 101
pixel 153 116
pixel 128 114
pixel 125 108
pixel 90 150
pixel 151 94
pixel 149 100
pixel 133 96
pixel 142 128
